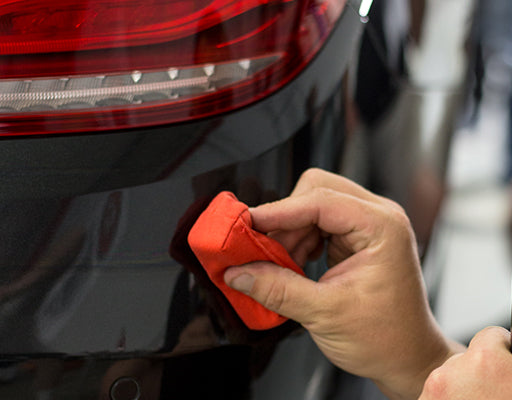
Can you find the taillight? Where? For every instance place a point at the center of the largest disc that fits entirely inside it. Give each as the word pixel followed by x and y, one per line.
pixel 92 65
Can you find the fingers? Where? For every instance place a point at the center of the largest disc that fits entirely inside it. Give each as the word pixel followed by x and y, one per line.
pixel 302 245
pixel 278 289
pixel 318 178
pixel 332 212
pixel 322 204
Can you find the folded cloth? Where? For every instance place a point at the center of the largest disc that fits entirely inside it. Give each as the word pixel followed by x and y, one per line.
pixel 223 237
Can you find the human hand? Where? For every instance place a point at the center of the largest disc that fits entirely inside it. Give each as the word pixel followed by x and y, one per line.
pixel 368 313
pixel 484 371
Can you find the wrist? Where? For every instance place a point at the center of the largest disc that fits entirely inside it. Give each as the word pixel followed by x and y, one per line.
pixel 408 383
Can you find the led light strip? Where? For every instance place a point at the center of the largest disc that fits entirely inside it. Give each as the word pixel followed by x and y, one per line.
pixel 100 91
pixel 105 91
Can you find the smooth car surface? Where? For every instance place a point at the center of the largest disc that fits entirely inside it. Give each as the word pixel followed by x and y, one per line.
pixel 100 296
pixel 118 124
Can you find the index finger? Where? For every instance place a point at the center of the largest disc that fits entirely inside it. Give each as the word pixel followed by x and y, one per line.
pixel 333 212
pixel 317 178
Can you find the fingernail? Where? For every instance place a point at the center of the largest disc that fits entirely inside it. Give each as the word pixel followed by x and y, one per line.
pixel 243 283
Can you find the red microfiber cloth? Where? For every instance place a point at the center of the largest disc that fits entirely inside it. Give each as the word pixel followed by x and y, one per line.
pixel 223 237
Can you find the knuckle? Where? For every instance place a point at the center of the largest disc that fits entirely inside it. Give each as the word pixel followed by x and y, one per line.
pixel 436 385
pixel 321 193
pixel 399 214
pixel 270 289
pixel 275 296
pixel 399 219
pixel 392 206
pixel 311 175
pixel 481 359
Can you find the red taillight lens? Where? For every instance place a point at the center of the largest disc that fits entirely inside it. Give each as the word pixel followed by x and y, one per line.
pixel 87 65
pixel 69 25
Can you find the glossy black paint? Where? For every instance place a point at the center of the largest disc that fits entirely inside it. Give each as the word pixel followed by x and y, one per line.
pixel 100 296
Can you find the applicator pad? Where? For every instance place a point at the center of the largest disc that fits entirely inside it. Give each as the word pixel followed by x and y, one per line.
pixel 223 237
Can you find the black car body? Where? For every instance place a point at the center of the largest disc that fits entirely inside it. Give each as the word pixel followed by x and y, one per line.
pixel 100 296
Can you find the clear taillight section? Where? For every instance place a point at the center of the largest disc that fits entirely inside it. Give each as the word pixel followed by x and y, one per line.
pixel 124 89
pixel 93 65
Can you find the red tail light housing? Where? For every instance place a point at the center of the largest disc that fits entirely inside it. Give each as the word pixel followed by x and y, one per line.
pixel 94 65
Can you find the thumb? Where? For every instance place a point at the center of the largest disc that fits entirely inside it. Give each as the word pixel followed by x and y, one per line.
pixel 279 289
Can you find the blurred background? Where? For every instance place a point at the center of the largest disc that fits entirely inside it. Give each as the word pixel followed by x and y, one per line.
pixel 471 243
pixel 434 135
pixel 433 108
